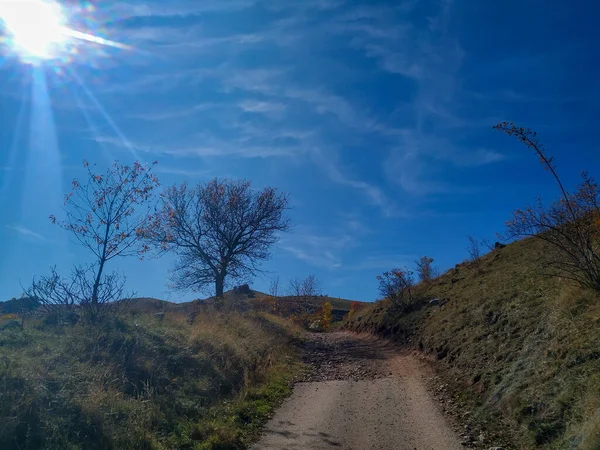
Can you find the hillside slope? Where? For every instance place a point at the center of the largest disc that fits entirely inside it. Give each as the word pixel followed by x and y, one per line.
pixel 166 380
pixel 525 348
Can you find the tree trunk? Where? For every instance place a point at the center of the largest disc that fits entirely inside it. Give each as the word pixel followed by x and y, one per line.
pixel 97 284
pixel 219 283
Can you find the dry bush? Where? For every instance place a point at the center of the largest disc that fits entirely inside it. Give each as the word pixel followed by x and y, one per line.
pixel 397 286
pixel 474 249
pixel 79 296
pixel 570 224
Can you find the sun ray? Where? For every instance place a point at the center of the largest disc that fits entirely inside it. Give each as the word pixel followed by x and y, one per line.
pixel 13 151
pixel 126 143
pixel 90 121
pixel 95 39
pixel 43 167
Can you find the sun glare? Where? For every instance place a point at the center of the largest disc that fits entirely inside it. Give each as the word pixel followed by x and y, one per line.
pixel 35 28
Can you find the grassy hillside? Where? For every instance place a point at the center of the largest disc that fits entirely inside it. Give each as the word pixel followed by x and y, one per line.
pixel 526 348
pixel 143 381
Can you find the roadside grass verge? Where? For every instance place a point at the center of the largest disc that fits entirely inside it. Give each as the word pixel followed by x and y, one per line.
pixel 144 381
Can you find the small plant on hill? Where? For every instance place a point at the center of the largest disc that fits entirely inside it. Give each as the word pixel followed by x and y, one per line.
pixel 274 293
pixel 219 230
pixel 425 269
pixel 397 286
pixel 474 249
pixel 571 224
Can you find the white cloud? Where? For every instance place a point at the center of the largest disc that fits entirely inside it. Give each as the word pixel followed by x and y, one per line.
pixel 23 231
pixel 375 195
pixel 318 247
pixel 264 107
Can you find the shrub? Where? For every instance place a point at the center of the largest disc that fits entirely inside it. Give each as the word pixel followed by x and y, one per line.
pixel 425 269
pixel 397 286
pixel 327 315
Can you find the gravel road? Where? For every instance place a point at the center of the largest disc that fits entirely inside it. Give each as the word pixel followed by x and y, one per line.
pixel 361 394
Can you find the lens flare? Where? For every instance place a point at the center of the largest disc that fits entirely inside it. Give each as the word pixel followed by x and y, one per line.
pixel 38 32
pixel 35 27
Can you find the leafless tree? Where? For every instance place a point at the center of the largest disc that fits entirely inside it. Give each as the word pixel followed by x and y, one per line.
pixel 103 215
pixel 274 287
pixel 308 287
pixel 311 286
pixel 295 287
pixel 570 224
pixel 219 229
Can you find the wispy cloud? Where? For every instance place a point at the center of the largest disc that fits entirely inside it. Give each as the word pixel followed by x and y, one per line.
pixel 319 249
pixel 275 109
pixel 375 195
pixel 23 231
pixel 290 104
pixel 382 261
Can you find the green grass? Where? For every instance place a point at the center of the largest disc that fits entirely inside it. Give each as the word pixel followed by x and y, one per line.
pixel 525 348
pixel 144 382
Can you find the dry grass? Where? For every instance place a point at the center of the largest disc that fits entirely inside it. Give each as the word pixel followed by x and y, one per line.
pixel 144 382
pixel 526 345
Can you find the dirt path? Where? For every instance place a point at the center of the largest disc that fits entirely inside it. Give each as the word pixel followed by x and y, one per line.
pixel 362 394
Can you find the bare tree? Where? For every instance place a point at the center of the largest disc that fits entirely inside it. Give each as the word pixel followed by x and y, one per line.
pixel 570 224
pixel 397 286
pixel 295 287
pixel 425 269
pixel 103 215
pixel 308 287
pixel 220 229
pixel 311 287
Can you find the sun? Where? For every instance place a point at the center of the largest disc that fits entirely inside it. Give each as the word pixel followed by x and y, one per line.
pixel 34 28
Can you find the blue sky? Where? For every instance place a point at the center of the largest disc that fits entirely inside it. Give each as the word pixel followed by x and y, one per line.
pixel 375 116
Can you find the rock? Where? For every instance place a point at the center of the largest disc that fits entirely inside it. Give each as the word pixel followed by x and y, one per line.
pixel 242 289
pixel 498 245
pixel 496 448
pixel 434 302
